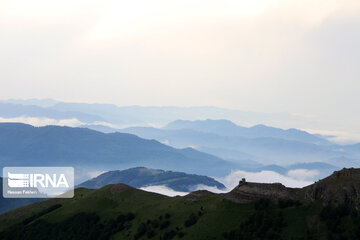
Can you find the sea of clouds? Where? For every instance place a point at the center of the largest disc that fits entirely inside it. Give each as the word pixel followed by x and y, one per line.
pixel 297 178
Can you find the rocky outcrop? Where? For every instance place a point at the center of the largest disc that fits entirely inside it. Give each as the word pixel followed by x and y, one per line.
pixel 248 192
pixel 342 187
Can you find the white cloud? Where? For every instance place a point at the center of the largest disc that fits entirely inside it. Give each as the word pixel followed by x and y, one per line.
pixel 295 178
pixel 166 142
pixel 94 174
pixel 39 121
pixel 106 124
pixel 44 121
pixel 232 180
pixel 340 137
pixel 163 190
pixel 303 174
pixel 210 189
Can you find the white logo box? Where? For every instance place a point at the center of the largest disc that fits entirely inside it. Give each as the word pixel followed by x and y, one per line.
pixel 38 182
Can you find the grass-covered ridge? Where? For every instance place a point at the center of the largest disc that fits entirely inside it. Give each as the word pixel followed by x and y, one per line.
pixel 122 212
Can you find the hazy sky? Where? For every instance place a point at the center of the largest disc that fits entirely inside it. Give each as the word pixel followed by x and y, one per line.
pixel 298 56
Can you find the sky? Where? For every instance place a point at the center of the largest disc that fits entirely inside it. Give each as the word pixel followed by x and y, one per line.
pixel 296 56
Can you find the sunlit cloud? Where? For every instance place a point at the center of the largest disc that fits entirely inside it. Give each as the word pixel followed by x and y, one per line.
pixel 40 121
pixel 163 190
pixel 210 189
pixel 340 137
pixel 95 174
pixel 232 180
pixel 303 174
pixel 295 178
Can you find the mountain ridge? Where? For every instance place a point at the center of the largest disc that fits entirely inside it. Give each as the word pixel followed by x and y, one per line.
pixel 142 177
pixel 22 144
pixel 263 150
pixel 227 128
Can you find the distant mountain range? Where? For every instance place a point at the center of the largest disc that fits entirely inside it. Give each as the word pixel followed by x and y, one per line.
pixel 34 102
pixel 200 152
pixel 25 145
pixel 254 148
pixel 328 209
pixel 142 177
pixel 12 110
pixel 138 115
pixel 250 146
pixel 230 129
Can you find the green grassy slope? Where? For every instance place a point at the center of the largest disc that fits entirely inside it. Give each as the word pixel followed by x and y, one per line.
pixel 122 212
pixel 7 204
